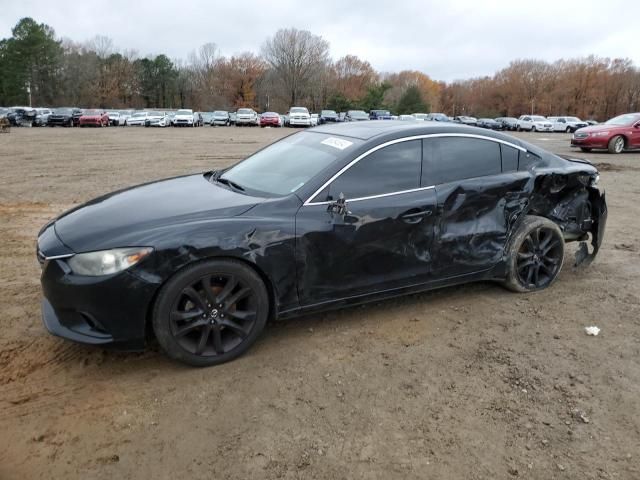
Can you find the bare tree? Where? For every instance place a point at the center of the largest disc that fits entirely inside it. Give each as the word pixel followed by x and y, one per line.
pixel 296 57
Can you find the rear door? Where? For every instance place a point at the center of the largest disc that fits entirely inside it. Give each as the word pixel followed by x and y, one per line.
pixel 479 193
pixel 383 238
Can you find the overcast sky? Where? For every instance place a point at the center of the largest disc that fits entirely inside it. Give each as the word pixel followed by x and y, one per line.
pixel 448 40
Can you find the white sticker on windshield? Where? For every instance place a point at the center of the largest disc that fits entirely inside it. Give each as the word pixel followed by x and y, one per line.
pixel 338 143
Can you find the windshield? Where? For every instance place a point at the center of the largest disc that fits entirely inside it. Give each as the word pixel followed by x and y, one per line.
pixel 623 120
pixel 220 112
pixel 298 110
pixel 140 114
pixel 573 119
pixel 327 113
pixel 244 111
pixel 92 112
pixel 537 118
pixel 62 111
pixel 184 112
pixel 358 114
pixel 285 166
pixel 382 112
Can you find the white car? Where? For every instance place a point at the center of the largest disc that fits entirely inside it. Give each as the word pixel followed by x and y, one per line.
pixel 114 117
pixel 409 118
pixel 124 116
pixel 534 123
pixel 246 116
pixel 299 117
pixel 314 119
pixel 138 119
pixel 418 116
pixel 184 118
pixel 567 124
pixel 42 115
pixel 157 119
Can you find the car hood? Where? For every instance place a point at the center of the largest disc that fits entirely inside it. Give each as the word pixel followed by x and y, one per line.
pixel 132 217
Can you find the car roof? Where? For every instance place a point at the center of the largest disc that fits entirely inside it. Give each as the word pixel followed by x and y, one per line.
pixel 385 131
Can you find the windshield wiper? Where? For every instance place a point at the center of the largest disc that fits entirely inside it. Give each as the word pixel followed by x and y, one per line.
pixel 226 181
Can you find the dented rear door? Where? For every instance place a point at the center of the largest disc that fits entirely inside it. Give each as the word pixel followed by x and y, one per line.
pixel 476 203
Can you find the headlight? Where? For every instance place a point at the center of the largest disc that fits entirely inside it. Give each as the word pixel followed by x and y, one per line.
pixel 107 262
pixel 600 134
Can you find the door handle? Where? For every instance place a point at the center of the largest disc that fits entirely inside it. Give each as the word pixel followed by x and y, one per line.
pixel 414 215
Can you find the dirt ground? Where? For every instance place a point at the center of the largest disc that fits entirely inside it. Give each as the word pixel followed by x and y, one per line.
pixel 470 382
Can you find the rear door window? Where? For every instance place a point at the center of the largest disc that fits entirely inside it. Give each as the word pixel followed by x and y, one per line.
pixel 457 158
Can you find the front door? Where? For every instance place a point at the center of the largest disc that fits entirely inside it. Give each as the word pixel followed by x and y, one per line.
pixel 380 240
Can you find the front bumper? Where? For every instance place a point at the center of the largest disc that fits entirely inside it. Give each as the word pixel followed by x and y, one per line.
pixel 109 310
pixel 157 123
pixel 246 121
pixel 590 142
pixel 302 122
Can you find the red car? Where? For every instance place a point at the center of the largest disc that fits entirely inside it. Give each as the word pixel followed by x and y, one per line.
pixel 95 118
pixel 270 119
pixel 618 134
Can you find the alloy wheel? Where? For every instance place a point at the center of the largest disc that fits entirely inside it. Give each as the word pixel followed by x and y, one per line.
pixel 539 258
pixel 214 315
pixel 619 145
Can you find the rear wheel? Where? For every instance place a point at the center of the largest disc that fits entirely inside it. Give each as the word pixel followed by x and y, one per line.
pixel 211 312
pixel 616 144
pixel 535 255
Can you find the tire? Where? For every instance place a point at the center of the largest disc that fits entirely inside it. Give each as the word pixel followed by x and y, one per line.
pixel 188 317
pixel 585 149
pixel 568 130
pixel 517 128
pixel 535 255
pixel 616 144
pixel 533 128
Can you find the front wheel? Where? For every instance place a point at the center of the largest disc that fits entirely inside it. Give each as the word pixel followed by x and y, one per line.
pixel 533 129
pixel 535 255
pixel 616 144
pixel 211 312
pixel 585 149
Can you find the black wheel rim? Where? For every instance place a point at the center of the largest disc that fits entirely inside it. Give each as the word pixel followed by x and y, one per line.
pixel 214 315
pixel 539 258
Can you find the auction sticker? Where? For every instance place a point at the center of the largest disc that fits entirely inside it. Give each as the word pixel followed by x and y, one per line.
pixel 338 143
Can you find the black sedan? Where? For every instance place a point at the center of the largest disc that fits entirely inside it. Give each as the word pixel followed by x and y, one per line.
pixel 489 123
pixel 333 216
pixel 327 116
pixel 65 117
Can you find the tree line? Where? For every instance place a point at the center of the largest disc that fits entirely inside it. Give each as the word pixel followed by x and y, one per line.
pixel 294 67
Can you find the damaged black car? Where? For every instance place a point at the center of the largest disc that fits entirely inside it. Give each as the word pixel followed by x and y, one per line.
pixel 333 216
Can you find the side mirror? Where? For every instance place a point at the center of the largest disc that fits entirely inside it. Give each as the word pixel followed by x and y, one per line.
pixel 637 125
pixel 339 207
